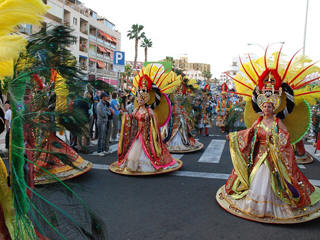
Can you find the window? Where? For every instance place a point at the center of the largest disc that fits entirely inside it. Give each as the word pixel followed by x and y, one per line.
pixel 75 20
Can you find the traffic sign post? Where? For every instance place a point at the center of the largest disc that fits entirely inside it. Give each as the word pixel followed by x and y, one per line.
pixel 118 61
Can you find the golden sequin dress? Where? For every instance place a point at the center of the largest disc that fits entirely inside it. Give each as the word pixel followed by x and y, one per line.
pixel 266 181
pixel 176 133
pixel 140 146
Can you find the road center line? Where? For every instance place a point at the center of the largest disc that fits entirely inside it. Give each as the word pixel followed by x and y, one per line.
pixel 301 166
pixel 201 174
pixel 222 176
pixel 213 152
pixel 100 166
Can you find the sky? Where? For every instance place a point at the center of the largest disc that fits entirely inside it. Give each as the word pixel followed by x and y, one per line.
pixel 214 32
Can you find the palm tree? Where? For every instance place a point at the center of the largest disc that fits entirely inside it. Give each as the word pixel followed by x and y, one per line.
pixel 147 43
pixel 136 34
pixel 126 75
pixel 207 75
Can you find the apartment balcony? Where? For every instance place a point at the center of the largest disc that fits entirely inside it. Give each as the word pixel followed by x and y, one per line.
pixel 92 53
pixel 92 69
pixel 66 23
pixel 83 67
pixel 107 74
pixel 101 71
pixel 83 49
pixel 84 30
pixel 101 56
pixel 100 40
pixel 91 37
pixel 107 44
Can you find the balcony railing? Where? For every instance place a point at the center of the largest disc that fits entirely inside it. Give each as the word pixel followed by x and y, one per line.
pixel 92 69
pixel 83 67
pixel 92 53
pixel 83 49
pixel 101 71
pixel 92 37
pixel 84 31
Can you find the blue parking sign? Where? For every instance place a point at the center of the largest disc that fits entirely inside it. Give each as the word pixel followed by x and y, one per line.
pixel 118 58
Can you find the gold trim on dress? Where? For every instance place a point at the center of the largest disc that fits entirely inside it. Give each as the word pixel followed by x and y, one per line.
pixel 229 207
pixel 124 171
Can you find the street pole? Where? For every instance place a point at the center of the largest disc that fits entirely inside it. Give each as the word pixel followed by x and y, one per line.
pixel 305 29
pixel 64 1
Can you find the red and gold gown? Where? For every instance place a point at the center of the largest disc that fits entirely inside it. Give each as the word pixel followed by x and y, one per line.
pixel 140 146
pixel 265 181
pixel 176 133
pixel 49 167
pixel 222 109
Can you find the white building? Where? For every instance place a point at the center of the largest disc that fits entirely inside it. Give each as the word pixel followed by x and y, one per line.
pixel 97 37
pixel 194 74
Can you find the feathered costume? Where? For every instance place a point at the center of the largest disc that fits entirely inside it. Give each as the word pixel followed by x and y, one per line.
pixel 21 216
pixel 223 108
pixel 177 132
pixel 266 185
pixel 141 150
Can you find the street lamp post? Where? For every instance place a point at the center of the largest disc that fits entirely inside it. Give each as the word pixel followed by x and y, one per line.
pixel 305 29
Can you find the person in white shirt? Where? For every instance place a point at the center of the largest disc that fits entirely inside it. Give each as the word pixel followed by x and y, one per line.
pixel 7 118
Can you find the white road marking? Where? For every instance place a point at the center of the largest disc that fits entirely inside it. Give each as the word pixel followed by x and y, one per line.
pixel 213 152
pixel 314 182
pixel 301 166
pixel 177 156
pixel 310 149
pixel 222 176
pixel 100 166
pixel 113 148
pixel 201 174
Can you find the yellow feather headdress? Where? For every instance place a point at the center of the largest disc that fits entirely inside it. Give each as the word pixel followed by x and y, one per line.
pixel 156 82
pixel 293 82
pixel 13 13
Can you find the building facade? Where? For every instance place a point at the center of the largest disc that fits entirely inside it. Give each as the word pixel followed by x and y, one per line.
pixel 192 70
pixel 96 36
pixel 183 64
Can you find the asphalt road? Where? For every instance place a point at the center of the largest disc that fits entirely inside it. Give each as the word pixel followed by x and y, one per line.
pixel 172 207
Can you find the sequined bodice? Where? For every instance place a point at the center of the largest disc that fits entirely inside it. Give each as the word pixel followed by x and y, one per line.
pixel 142 116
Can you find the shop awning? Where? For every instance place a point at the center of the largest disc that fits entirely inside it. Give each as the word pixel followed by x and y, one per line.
pixel 102 49
pixel 114 40
pixel 102 33
pixel 101 64
pixel 106 36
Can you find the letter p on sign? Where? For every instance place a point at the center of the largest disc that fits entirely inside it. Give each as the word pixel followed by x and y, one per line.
pixel 119 58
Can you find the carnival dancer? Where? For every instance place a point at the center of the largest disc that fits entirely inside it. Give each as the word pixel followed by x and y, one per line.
pixel 21 217
pixel 177 133
pixel 266 185
pixel 223 108
pixel 141 150
pixel 55 160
